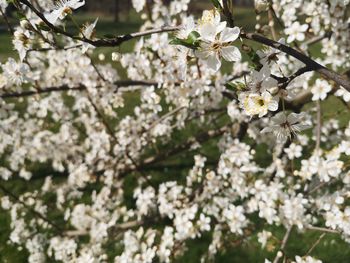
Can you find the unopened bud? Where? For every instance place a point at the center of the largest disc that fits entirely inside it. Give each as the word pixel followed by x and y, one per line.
pixel 116 56
pixel 261 6
pixel 265 29
pixel 25 24
pixel 67 11
pixel 283 93
pixel 246 48
pixel 101 57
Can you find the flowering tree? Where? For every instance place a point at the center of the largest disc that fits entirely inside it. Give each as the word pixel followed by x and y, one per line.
pixel 234 156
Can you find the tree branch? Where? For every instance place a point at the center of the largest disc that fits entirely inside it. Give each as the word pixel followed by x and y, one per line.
pixel 227 13
pixel 32 210
pixel 310 63
pixel 283 245
pixel 103 42
pixel 81 87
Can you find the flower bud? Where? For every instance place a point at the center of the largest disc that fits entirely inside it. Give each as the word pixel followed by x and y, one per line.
pixel 116 56
pixel 261 6
pixel 101 57
pixel 25 24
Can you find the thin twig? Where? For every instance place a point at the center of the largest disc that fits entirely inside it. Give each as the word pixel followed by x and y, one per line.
pixel 319 125
pixel 56 49
pixel 272 24
pixel 322 229
pixel 32 210
pixel 315 244
pixel 283 245
pixel 9 27
pixel 103 42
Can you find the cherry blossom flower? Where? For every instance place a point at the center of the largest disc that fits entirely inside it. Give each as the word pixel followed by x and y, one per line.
pixel 263 237
pixel 204 223
pixel 138 4
pixel 88 32
pixel 213 47
pixel 286 126
pixel 261 5
pixel 16 73
pixel 306 259
pixel 62 9
pixel 3 4
pixel 293 151
pixel 209 23
pixel 188 26
pixel 262 80
pixel 341 92
pixel 256 104
pixel 22 42
pixel 320 89
pixel 269 55
pixel 296 32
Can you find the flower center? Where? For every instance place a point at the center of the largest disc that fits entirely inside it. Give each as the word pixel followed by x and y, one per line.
pixel 67 11
pixel 216 46
pixel 285 125
pixel 260 102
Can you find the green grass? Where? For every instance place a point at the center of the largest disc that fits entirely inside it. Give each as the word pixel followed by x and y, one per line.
pixel 332 249
pixel 6 49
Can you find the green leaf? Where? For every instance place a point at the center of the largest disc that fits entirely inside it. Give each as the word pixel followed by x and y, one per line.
pixel 43 27
pixel 253 56
pixel 193 37
pixel 235 86
pixel 20 16
pixel 217 4
pixel 192 41
pixel 182 42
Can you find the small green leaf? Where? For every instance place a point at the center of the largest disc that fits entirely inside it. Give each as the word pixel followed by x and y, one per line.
pixel 193 36
pixel 217 4
pixel 43 27
pixel 20 16
pixel 234 86
pixel 253 56
pixel 184 42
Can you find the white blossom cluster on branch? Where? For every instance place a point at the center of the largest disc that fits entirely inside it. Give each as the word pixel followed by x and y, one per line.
pixel 208 135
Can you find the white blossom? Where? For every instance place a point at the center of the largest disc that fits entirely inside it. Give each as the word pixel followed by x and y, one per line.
pixel 62 9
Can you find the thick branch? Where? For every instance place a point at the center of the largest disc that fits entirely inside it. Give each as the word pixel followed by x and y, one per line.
pixel 310 63
pixel 117 41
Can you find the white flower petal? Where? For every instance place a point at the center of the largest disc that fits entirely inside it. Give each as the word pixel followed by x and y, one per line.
pixel 214 62
pixel 231 53
pixel 290 39
pixel 229 34
pixel 202 54
pixel 267 130
pixel 208 32
pixel 220 27
pixel 53 16
pixel 76 4
pixel 273 105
